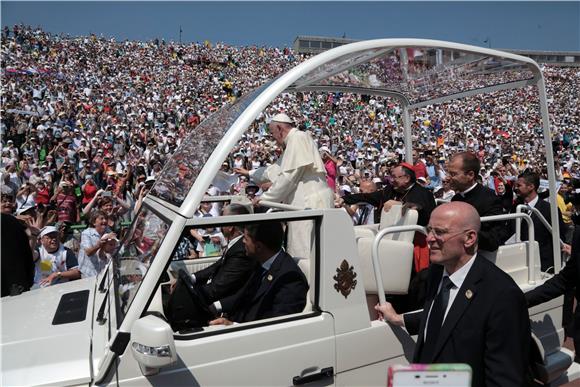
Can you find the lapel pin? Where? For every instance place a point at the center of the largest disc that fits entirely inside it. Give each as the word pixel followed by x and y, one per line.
pixel 468 294
pixel 270 278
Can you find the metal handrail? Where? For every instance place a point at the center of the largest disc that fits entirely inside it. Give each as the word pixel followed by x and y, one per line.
pixel 530 246
pixel 375 254
pixel 415 228
pixel 522 207
pixel 265 203
pixel 281 206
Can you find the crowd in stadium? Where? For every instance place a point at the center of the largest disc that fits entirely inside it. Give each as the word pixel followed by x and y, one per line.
pixel 87 125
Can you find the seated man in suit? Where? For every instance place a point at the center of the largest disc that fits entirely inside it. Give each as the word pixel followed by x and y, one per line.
pixel 527 190
pixel 474 313
pixel 278 286
pixel 228 274
pixel 462 171
pixel 222 279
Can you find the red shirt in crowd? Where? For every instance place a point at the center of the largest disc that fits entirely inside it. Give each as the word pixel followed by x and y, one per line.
pixel 42 196
pixel 330 167
pixel 66 206
pixel 89 192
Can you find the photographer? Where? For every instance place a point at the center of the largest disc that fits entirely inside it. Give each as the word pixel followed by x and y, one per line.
pixel 92 239
pixel 107 203
pixel 26 196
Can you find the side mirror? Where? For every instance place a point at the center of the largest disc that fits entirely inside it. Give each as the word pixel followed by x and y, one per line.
pixel 152 344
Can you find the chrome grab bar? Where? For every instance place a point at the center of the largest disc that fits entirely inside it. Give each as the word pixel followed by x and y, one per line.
pixel 530 246
pixel 281 206
pixel 375 254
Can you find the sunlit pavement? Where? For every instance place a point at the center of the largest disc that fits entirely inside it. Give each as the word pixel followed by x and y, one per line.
pixel 570 345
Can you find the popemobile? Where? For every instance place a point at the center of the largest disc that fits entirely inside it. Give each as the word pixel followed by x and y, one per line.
pixel 114 329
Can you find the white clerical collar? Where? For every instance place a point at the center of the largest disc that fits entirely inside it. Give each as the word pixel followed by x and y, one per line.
pixel 268 264
pixel 234 241
pixel 468 190
pixel 532 203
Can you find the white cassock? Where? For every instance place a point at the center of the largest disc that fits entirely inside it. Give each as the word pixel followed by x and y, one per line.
pixel 299 179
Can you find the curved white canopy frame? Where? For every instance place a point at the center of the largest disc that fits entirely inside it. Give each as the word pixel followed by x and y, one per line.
pixel 343 69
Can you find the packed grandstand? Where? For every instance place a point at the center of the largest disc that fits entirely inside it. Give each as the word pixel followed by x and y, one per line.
pixel 88 123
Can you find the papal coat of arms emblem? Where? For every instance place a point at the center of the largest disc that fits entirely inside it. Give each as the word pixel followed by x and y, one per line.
pixel 345 279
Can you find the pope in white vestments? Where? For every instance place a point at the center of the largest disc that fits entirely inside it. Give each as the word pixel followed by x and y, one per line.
pixel 298 178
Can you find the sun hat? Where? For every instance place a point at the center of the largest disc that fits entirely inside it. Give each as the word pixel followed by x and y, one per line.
pixel 47 230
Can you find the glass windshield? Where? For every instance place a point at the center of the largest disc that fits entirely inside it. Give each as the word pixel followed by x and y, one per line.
pixel 182 169
pixel 135 255
pixel 420 73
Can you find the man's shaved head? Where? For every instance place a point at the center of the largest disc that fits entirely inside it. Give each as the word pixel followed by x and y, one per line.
pixel 452 236
pixel 464 215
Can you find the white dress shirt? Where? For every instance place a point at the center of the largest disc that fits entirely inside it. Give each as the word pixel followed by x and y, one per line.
pixel 457 279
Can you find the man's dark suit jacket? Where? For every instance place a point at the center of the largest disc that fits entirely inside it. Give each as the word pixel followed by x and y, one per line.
pixel 487 203
pixel 227 275
pixel 487 326
pixel 568 278
pixel 16 257
pixel 417 195
pixel 541 233
pixel 280 291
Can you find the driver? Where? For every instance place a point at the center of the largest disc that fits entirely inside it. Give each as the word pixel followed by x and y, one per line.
pixel 231 271
pixel 209 286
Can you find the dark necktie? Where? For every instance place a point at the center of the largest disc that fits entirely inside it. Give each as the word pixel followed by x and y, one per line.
pixel 436 319
pixel 363 215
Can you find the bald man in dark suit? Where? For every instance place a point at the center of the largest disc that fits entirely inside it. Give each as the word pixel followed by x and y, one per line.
pixel 474 312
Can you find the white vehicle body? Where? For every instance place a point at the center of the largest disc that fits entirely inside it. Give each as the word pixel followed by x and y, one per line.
pixel 121 340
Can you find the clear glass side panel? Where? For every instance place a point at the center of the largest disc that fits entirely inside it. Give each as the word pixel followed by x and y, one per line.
pixel 135 255
pixel 418 72
pixel 182 169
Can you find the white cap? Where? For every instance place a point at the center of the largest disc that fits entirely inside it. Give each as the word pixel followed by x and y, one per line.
pixel 48 230
pixel 281 117
pixel 24 208
pixel 345 188
pixel 324 149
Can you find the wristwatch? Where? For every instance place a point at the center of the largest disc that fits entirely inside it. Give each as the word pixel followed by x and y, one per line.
pixel 58 274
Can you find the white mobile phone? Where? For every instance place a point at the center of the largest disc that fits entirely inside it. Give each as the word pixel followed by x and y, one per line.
pixel 452 375
pixel 432 378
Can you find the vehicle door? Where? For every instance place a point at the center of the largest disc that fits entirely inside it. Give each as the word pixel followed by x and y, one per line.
pixel 286 350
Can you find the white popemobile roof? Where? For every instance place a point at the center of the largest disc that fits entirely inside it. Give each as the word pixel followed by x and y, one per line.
pixel 418 72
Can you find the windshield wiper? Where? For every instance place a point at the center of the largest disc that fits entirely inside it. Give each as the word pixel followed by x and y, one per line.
pixel 103 281
pixel 101 315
